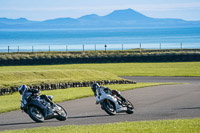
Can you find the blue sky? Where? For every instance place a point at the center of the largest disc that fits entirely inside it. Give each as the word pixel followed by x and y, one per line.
pixel 49 9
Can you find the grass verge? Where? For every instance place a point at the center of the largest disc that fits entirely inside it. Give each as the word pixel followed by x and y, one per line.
pixel 30 75
pixel 12 102
pixel 120 69
pixel 161 126
pixel 17 78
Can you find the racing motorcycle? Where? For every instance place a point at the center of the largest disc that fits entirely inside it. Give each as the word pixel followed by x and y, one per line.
pixel 112 102
pixel 40 109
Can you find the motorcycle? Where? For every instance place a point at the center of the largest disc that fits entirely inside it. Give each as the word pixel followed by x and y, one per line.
pixel 112 102
pixel 39 109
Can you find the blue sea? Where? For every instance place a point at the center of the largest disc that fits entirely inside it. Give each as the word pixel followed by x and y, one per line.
pixel 96 39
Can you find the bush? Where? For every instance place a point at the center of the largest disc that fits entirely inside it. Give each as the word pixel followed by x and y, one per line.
pixel 39 58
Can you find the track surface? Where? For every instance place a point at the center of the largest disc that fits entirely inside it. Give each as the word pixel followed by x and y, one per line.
pixel 151 103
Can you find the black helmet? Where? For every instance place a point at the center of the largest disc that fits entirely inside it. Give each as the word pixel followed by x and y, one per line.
pixel 94 87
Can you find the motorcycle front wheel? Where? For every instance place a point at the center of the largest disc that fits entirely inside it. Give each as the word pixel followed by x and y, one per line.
pixel 130 107
pixel 35 114
pixel 62 113
pixel 109 107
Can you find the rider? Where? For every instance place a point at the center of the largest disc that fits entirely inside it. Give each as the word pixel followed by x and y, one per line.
pixel 25 92
pixel 96 86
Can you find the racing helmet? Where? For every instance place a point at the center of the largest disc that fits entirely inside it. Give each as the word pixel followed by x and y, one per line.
pixel 95 86
pixel 21 89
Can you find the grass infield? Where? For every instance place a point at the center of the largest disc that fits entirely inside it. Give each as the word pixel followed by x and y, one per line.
pixel 120 69
pixel 31 77
pixel 161 126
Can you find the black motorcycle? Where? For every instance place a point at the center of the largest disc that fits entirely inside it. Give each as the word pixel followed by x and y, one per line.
pixel 40 109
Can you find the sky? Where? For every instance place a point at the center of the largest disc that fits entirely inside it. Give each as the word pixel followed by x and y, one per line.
pixel 40 10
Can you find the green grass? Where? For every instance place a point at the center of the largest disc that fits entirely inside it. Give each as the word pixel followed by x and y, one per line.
pixel 17 78
pixel 161 126
pixel 12 102
pixel 17 75
pixel 121 69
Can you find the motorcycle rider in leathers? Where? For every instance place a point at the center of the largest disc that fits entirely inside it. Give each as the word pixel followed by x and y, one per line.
pixel 25 92
pixel 95 87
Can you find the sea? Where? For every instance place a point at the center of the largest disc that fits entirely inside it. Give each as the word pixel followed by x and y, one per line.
pixel 98 39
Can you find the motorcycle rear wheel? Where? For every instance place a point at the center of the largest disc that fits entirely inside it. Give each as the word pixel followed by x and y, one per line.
pixel 35 114
pixel 109 107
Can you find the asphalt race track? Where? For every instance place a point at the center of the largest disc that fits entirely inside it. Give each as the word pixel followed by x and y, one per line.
pixel 151 103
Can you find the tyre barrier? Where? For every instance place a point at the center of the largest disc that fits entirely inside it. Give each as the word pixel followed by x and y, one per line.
pixel 66 85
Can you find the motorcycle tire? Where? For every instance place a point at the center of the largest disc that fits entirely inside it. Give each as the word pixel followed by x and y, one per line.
pixel 35 114
pixel 62 114
pixel 109 107
pixel 130 107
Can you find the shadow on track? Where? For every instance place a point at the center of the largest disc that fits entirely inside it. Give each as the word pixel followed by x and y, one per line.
pixel 21 123
pixel 87 116
pixel 191 108
pixel 24 123
pixel 91 116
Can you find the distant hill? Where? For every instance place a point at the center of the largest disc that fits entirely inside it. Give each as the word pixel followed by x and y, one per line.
pixel 117 19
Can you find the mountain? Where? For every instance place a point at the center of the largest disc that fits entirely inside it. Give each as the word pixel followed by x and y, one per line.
pixel 14 21
pixel 126 15
pixel 117 19
pixel 59 20
pixel 90 17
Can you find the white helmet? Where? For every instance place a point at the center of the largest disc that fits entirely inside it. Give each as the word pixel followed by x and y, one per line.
pixel 21 89
pixel 95 86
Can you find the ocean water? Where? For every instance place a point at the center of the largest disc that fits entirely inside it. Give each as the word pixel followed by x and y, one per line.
pixel 96 39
